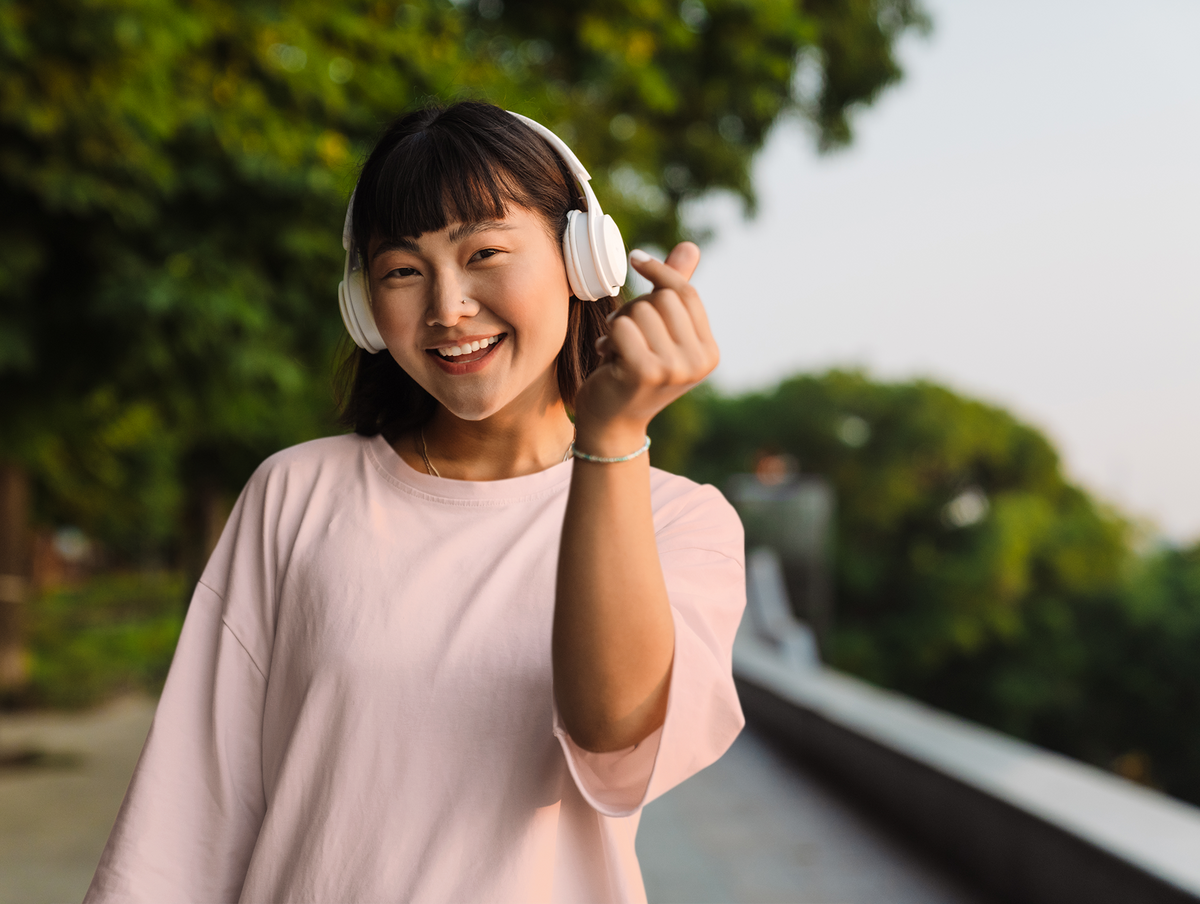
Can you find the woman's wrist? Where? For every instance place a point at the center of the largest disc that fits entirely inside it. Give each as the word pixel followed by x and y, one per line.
pixel 611 439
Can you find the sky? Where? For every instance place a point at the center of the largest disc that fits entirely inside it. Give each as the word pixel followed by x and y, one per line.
pixel 1019 219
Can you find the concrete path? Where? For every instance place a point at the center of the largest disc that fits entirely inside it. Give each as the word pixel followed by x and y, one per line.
pixel 751 828
pixel 56 815
pixel 755 828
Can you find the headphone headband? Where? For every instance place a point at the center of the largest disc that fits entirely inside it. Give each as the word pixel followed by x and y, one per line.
pixel 568 155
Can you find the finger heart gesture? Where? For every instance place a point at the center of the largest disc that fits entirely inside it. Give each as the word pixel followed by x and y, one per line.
pixel 659 346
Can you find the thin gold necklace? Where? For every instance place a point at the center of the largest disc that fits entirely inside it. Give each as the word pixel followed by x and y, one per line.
pixel 433 472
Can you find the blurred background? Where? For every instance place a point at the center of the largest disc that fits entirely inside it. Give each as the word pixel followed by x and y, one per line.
pixel 949 256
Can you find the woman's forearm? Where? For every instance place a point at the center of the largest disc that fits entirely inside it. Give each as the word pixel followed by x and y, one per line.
pixel 613 637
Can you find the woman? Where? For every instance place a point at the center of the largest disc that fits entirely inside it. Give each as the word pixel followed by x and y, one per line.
pixel 443 658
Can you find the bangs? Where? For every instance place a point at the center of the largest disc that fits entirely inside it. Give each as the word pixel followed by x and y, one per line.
pixel 442 172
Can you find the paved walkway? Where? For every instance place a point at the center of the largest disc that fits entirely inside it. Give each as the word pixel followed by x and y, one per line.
pixel 751 828
pixel 755 828
pixel 56 815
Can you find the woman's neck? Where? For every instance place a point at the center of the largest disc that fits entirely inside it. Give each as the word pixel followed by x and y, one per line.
pixel 493 449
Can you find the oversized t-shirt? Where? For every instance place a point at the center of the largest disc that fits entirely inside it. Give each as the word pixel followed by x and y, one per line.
pixel 360 708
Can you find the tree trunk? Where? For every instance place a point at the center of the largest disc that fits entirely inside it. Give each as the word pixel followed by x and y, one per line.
pixel 14 577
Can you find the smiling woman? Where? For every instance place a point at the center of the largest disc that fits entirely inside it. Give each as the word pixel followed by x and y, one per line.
pixel 450 656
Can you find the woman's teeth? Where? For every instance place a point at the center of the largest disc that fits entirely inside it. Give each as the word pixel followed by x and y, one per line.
pixel 455 350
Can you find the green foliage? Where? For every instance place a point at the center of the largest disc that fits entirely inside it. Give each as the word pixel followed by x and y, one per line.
pixel 954 519
pixel 117 468
pixel 1108 678
pixel 669 100
pixel 1150 672
pixel 114 634
pixel 1136 678
pixel 174 175
pixel 676 430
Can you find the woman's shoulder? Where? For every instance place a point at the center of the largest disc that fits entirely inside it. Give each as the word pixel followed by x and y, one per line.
pixel 304 473
pixel 311 458
pixel 698 511
pixel 675 491
pixel 283 490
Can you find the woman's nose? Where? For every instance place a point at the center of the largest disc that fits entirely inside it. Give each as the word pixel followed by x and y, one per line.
pixel 449 303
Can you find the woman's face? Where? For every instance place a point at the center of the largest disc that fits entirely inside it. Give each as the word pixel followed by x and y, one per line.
pixel 476 313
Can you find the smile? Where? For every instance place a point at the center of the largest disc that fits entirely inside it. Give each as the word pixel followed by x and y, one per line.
pixel 465 349
pixel 467 358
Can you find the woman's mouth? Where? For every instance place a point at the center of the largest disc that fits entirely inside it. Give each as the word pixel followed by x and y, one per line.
pixel 458 359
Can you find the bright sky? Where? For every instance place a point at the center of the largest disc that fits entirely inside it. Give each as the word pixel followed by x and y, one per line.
pixel 1018 219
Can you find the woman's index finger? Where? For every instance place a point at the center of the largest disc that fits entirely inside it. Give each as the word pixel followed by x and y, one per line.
pixel 674 273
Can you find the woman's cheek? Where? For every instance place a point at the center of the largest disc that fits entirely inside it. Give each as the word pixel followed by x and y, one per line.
pixel 550 314
pixel 393 326
pixel 548 330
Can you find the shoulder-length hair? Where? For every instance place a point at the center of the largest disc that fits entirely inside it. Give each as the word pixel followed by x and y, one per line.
pixel 458 164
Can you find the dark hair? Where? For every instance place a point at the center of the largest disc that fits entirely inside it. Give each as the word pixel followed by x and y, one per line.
pixel 444 165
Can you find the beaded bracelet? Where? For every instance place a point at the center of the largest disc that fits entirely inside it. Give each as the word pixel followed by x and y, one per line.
pixel 600 459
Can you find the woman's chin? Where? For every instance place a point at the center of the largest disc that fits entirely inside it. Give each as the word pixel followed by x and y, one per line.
pixel 472 409
pixel 485 400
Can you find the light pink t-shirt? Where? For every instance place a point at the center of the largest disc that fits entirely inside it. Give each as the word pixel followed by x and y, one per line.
pixel 360 708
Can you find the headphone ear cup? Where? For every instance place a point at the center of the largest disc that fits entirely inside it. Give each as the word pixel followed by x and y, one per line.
pixel 576 276
pixel 356 312
pixel 596 264
pixel 612 263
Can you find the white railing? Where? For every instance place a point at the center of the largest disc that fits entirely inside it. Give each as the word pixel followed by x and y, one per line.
pixel 1026 824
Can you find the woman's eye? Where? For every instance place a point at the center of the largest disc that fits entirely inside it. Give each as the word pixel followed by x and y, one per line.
pixel 400 273
pixel 484 254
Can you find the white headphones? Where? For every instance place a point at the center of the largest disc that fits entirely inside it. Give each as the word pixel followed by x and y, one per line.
pixel 593 251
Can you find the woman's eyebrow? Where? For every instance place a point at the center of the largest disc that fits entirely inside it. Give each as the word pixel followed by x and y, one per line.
pixel 401 244
pixel 462 230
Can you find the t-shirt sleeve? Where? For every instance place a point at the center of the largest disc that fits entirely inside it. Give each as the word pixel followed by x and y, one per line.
pixel 191 816
pixel 701 550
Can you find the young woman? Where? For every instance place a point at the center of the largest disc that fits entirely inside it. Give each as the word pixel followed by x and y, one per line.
pixel 442 658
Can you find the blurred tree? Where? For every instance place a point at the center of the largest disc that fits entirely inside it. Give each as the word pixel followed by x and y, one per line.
pixel 1110 677
pixel 955 524
pixel 669 100
pixel 173 178
pixel 1117 683
pixel 14 582
pixel 1143 678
